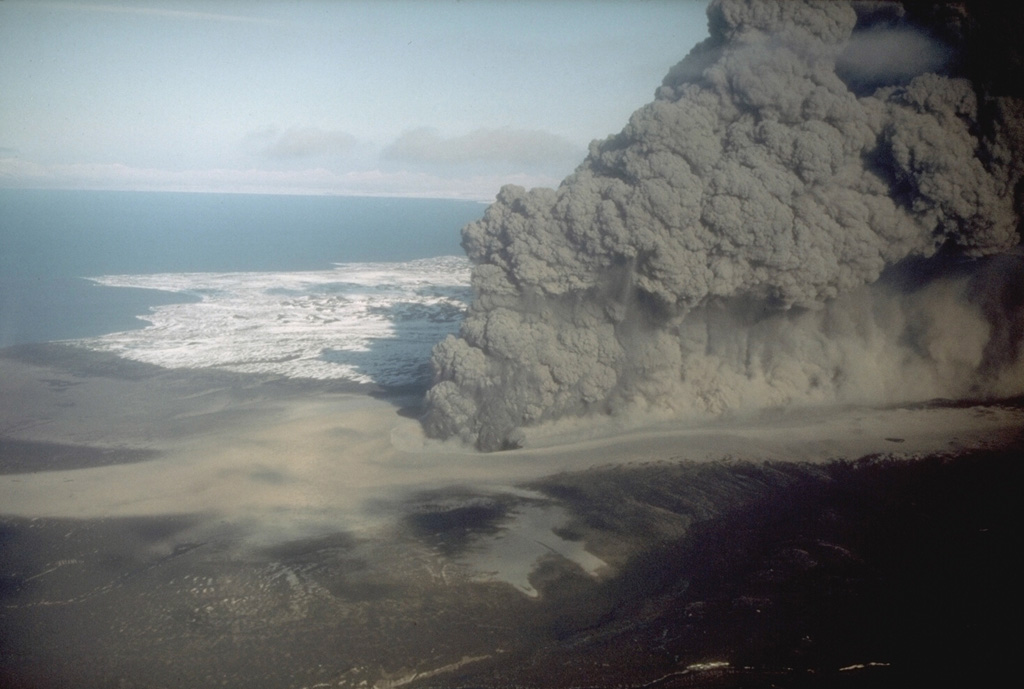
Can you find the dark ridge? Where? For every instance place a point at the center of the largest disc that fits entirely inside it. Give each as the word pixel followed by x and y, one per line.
pixel 878 572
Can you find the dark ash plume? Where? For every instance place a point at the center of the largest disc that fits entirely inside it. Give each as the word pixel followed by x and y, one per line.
pixel 724 251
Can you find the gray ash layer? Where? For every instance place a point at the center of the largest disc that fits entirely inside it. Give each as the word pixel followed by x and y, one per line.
pixel 810 211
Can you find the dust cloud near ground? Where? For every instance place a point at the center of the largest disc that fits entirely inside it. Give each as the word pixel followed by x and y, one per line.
pixel 246 531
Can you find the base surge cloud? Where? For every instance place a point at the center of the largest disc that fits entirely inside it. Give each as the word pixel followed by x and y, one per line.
pixel 793 220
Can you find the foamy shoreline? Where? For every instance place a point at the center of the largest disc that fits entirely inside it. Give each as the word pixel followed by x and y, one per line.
pixel 361 322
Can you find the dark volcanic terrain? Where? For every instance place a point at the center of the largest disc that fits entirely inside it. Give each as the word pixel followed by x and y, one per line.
pixel 877 572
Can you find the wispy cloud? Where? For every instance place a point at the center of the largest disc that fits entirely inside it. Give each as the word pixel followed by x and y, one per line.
pixel 303 142
pixel 160 12
pixel 525 147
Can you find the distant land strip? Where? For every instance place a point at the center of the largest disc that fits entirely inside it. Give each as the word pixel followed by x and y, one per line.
pixel 30 456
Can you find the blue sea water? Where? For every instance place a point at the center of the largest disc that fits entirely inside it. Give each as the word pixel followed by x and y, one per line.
pixel 51 241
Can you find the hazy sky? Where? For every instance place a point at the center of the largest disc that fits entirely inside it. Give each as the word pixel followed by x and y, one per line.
pixel 411 98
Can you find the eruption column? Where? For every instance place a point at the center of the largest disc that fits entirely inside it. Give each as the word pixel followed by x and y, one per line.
pixel 724 251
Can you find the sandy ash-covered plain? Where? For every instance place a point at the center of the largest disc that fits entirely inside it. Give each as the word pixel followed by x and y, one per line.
pixel 168 528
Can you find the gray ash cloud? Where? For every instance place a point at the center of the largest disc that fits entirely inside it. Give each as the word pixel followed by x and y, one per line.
pixel 802 215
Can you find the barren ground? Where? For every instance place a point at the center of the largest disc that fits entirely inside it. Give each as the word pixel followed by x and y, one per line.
pixel 194 528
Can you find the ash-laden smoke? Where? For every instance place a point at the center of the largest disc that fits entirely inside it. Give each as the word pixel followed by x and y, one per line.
pixel 792 221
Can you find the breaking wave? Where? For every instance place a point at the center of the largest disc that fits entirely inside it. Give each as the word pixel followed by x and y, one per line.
pixel 362 322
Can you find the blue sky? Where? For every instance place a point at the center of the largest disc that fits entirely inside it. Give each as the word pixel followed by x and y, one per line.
pixel 440 98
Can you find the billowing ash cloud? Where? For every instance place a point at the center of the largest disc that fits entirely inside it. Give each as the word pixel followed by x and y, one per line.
pixel 764 233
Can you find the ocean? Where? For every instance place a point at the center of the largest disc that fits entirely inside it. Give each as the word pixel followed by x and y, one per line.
pixel 319 287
